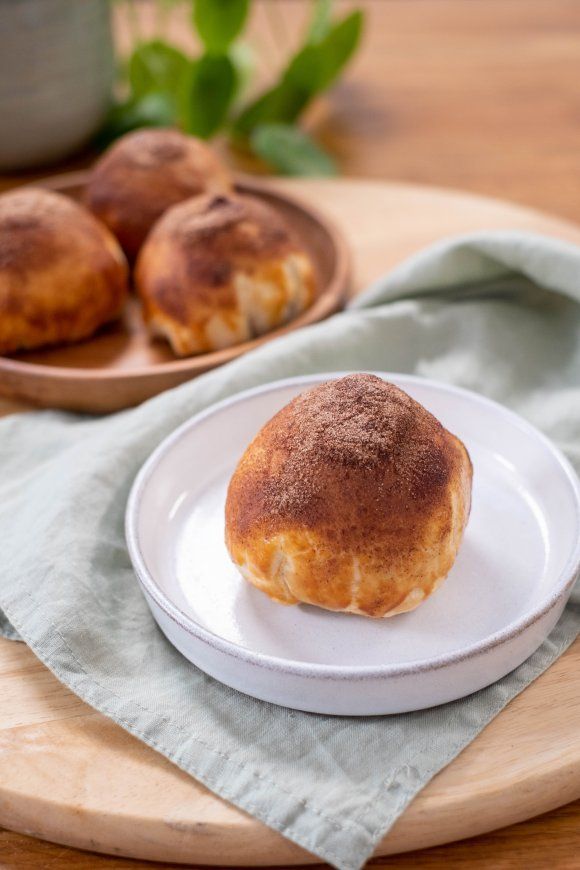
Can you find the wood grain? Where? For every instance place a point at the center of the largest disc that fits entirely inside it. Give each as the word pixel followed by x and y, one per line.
pixel 551 840
pixel 121 365
pixel 72 776
pixel 120 797
pixel 479 95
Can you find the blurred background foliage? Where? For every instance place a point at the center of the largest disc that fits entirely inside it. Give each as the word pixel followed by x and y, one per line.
pixel 211 91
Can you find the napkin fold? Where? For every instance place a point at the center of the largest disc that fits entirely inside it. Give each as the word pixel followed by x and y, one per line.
pixel 496 312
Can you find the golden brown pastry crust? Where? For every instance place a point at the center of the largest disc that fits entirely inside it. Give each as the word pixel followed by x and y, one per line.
pixel 145 173
pixel 62 274
pixel 217 270
pixel 353 497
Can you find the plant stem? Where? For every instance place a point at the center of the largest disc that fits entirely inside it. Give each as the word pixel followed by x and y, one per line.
pixel 134 23
pixel 277 24
pixel 164 8
pixel 268 60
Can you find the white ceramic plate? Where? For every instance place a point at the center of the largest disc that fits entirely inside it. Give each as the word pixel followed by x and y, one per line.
pixel 515 570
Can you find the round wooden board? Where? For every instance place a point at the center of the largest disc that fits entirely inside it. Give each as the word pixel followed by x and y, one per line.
pixel 70 775
pixel 121 365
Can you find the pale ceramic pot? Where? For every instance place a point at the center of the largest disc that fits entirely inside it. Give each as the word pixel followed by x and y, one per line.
pixel 56 77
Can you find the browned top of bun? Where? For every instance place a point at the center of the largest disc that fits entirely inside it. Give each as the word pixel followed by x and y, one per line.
pixel 38 227
pixel 202 242
pixel 351 459
pixel 156 150
pixel 62 274
pixel 27 230
pixel 146 172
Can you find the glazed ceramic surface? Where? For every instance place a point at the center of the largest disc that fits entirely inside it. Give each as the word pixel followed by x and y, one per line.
pixel 56 77
pixel 510 582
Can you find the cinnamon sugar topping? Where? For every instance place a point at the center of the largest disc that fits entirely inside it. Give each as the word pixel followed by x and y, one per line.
pixel 359 434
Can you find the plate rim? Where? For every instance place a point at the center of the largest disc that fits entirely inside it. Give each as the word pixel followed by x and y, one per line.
pixel 331 299
pixel 316 670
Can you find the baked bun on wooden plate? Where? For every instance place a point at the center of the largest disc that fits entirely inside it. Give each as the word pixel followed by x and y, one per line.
pixel 62 274
pixel 143 174
pixel 353 498
pixel 219 270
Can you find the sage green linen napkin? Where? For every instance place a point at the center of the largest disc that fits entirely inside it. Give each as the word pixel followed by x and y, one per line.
pixel 498 313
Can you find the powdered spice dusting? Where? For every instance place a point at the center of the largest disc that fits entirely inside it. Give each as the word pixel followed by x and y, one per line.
pixel 353 497
pixel 359 424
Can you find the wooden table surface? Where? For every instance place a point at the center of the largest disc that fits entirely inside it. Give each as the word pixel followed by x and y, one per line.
pixel 480 95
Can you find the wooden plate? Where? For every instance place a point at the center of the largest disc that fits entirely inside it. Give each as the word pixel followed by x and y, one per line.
pixel 122 366
pixel 70 775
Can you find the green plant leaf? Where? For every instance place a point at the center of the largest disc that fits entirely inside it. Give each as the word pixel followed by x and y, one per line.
pixel 207 94
pixel 156 67
pixel 282 103
pixel 320 21
pixel 244 61
pixel 316 66
pixel 218 22
pixel 289 150
pixel 311 70
pixel 152 110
